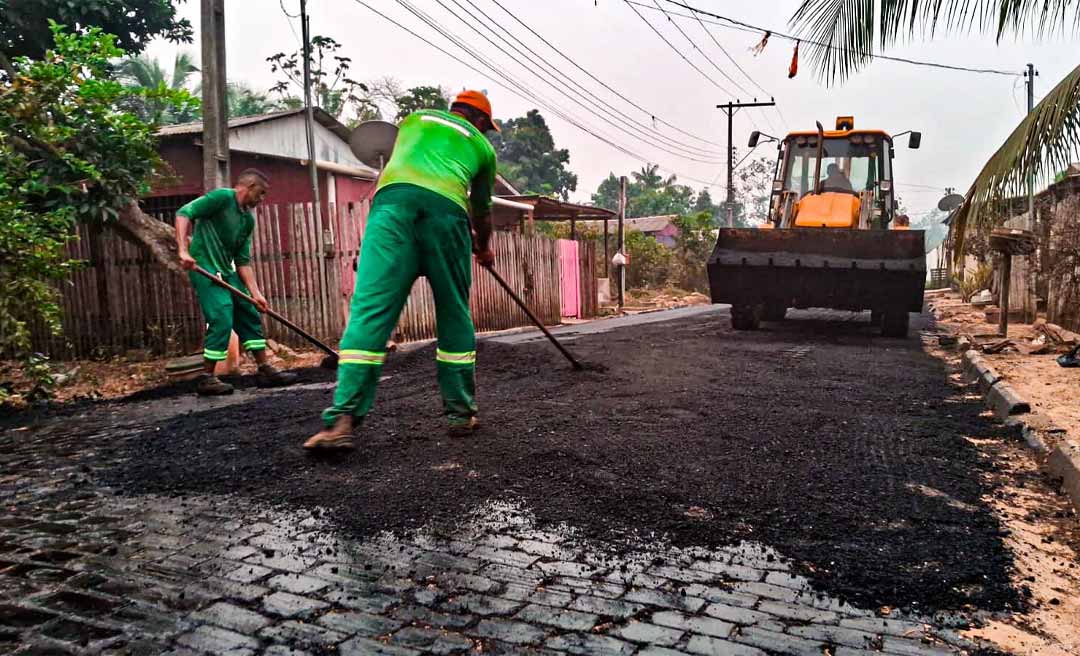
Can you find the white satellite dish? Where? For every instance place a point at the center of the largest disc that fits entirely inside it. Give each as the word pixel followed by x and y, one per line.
pixel 373 141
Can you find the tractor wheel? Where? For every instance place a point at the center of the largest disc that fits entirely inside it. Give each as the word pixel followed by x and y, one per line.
pixel 745 317
pixel 894 323
pixel 774 312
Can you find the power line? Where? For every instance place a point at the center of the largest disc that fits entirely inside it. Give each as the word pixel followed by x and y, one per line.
pixel 431 22
pixel 601 82
pixel 509 86
pixel 688 152
pixel 677 51
pixel 701 52
pixel 747 27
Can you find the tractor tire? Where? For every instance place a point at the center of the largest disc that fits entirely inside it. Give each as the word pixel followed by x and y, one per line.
pixel 894 323
pixel 774 312
pixel 745 317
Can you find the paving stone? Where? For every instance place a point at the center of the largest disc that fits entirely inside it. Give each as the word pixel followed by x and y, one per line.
pixel 586 587
pixel 767 590
pixel 684 574
pixel 796 612
pixel 547 550
pixel 659 651
pixel 284 650
pixel 906 647
pixel 218 588
pixel 899 628
pixel 369 647
pixel 786 580
pixel 306 635
pixel 838 635
pixel 508 574
pixel 232 617
pixel 510 631
pixel 773 641
pixel 360 623
pixel 649 634
pixel 286 604
pixel 563 568
pixel 736 614
pixel 590 645
pixel 706 625
pixel 247 573
pixel 606 607
pixel 474 582
pixel 297 583
pixel 722 595
pixel 664 599
pixel 717 647
pixel 503 556
pixel 217 640
pixel 568 620
pixel 479 604
pixel 359 599
pixel 432 641
pixel 728 571
pixel 424 615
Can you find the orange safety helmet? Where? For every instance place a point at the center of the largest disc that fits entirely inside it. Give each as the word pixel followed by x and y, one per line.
pixel 477 100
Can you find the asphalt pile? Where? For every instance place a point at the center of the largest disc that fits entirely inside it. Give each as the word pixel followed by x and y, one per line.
pixel 847 453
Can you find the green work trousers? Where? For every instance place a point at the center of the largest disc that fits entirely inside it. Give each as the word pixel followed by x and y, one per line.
pixel 224 314
pixel 411 232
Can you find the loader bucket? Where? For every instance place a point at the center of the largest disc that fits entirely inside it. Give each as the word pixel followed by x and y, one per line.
pixel 819 267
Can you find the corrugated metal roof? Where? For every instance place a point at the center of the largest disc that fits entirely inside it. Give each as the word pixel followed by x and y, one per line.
pixel 320 116
pixel 641 224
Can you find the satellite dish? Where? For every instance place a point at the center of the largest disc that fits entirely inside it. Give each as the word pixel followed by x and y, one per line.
pixel 950 202
pixel 373 141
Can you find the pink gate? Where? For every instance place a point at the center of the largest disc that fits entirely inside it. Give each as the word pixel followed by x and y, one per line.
pixel 569 278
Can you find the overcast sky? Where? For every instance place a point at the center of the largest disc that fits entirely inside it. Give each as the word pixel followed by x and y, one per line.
pixel 963 116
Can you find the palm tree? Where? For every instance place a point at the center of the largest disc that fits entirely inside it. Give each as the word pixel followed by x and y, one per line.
pixel 649 177
pixel 242 100
pixel 845 34
pixel 147 73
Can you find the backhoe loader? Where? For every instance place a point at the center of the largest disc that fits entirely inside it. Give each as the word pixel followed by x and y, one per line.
pixel 833 239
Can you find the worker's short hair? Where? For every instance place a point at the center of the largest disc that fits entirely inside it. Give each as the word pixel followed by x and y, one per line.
pixel 468 111
pixel 252 176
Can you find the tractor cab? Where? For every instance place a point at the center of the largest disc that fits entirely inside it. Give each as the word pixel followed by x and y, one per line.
pixel 838 178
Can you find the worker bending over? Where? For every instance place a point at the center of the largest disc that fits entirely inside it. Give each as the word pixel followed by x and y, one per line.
pixel 442 166
pixel 222 245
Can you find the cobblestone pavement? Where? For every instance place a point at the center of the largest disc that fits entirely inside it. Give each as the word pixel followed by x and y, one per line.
pixel 85 571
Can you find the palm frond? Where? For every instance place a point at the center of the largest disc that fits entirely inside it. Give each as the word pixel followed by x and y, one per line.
pixel 142 71
pixel 1045 142
pixel 183 68
pixel 844 35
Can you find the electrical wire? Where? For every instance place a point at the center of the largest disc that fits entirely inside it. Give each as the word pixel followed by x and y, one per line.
pixel 521 94
pixel 288 20
pixel 650 114
pixel 747 27
pixel 635 130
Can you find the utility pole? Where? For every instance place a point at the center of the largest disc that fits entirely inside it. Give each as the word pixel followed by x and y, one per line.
pixel 731 109
pixel 215 108
pixel 622 235
pixel 1030 82
pixel 305 27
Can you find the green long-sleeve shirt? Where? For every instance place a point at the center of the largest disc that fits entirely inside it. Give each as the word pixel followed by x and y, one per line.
pixel 444 153
pixel 222 233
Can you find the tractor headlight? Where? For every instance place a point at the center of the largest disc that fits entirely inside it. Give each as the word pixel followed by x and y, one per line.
pixel 777 185
pixel 885 185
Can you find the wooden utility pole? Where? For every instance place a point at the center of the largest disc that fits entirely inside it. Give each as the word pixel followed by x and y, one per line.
pixel 214 104
pixel 1030 83
pixel 305 26
pixel 731 109
pixel 622 243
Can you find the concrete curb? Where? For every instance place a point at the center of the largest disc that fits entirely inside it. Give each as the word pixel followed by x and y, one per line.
pixel 1064 461
pixel 1039 431
pixel 997 393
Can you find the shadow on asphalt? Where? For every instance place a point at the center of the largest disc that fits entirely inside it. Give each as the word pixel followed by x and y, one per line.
pixel 851 454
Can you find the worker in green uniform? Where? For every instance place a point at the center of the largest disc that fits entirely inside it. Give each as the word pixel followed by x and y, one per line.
pixel 442 168
pixel 222 245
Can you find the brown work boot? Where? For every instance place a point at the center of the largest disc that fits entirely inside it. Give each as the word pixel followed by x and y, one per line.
pixel 269 376
pixel 211 385
pixel 464 428
pixel 338 437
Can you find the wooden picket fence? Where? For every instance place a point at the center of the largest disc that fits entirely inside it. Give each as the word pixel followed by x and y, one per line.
pixel 122 300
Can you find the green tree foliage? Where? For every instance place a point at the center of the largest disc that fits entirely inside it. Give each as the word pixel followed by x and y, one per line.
pixel 25 31
pixel 418 98
pixel 146 73
pixel 647 194
pixel 69 151
pixel 693 245
pixel 331 87
pixel 242 100
pixel 650 261
pixel 528 157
